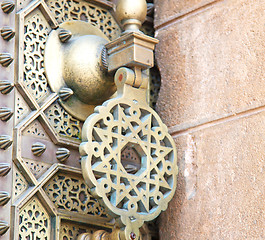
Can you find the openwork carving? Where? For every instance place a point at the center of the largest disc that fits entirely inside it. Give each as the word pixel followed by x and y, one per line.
pixel 35 129
pixel 71 193
pixel 20 184
pixel 63 122
pixel 114 126
pixel 70 230
pixel 35 33
pixel 22 109
pixel 34 222
pixel 37 168
pixel 67 10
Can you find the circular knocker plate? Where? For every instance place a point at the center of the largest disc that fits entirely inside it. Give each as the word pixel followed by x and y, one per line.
pixel 129 159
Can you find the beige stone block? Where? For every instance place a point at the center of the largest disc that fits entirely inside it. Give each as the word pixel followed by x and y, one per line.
pixel 224 165
pixel 166 10
pixel 212 63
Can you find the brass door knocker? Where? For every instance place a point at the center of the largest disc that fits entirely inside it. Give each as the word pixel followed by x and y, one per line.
pixel 129 159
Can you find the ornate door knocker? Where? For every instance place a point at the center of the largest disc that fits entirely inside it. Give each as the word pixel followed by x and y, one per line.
pixel 128 157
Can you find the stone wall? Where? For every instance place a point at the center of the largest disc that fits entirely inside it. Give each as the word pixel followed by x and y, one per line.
pixel 211 56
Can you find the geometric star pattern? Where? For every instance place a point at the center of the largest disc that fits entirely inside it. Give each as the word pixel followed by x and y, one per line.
pixel 139 196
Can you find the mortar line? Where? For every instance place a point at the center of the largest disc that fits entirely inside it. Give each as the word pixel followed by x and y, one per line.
pixel 175 18
pixel 219 121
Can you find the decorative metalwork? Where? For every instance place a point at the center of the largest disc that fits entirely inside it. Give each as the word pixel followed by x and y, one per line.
pixel 38 148
pixel 64 35
pixel 5 113
pixel 4 226
pixel 67 10
pixel 6 86
pixel 37 168
pixel 34 221
pixel 36 31
pixel 71 230
pixel 7 6
pixel 63 122
pixel 131 14
pixel 65 93
pixel 20 184
pixel 77 69
pixel 7 33
pixel 4 169
pixel 4 198
pixel 128 121
pixel 35 129
pixel 62 154
pixel 5 141
pixel 104 58
pixel 22 109
pixel 70 193
pixel 5 59
pixel 102 235
pixel 115 125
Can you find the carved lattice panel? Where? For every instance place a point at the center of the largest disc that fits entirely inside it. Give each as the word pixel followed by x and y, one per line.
pixel 63 123
pixel 66 10
pixel 35 129
pixel 20 184
pixel 36 30
pixel 37 168
pixel 21 108
pixel 34 222
pixel 70 193
pixel 47 191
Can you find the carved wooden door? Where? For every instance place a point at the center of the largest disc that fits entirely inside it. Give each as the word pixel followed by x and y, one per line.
pixel 42 192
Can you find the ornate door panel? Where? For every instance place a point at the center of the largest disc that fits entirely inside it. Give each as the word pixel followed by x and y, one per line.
pixel 43 195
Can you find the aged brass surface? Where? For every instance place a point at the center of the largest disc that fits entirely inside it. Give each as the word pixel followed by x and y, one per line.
pixel 5 141
pixel 121 122
pixel 62 154
pixel 131 14
pixel 4 169
pixel 5 59
pixel 7 33
pixel 6 86
pixel 6 113
pixel 50 199
pixel 78 67
pixel 7 6
pixel 132 49
pixel 3 227
pixel 38 148
pixel 4 198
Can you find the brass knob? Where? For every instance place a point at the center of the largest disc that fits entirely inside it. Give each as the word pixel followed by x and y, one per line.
pixel 131 14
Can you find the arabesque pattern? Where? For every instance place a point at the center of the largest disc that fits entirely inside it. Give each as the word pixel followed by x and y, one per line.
pixel 115 125
pixel 63 122
pixel 70 193
pixel 34 222
pixel 36 31
pixel 66 10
